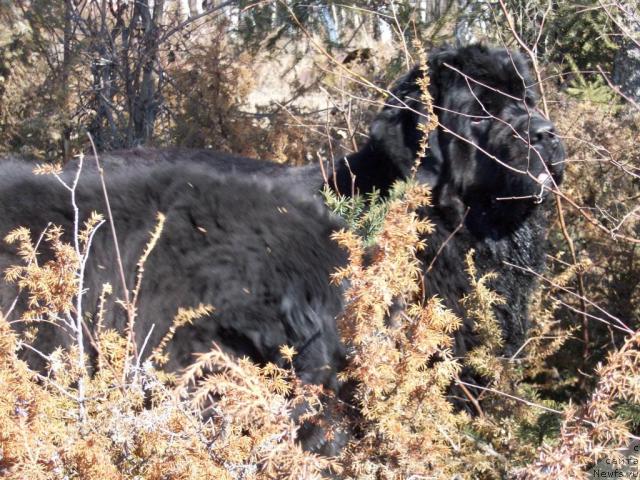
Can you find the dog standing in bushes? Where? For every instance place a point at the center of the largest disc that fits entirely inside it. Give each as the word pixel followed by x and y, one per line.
pixel 492 163
pixel 247 237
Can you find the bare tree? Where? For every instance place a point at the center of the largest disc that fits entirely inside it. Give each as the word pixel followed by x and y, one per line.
pixel 626 71
pixel 124 43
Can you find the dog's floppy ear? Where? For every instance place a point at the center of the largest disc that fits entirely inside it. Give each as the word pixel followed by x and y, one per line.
pixel 518 75
pixel 440 75
pixel 394 130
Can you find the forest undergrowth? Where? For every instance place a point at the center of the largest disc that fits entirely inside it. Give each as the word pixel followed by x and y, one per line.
pixel 568 399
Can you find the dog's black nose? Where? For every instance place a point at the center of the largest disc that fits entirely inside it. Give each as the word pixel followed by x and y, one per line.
pixel 542 131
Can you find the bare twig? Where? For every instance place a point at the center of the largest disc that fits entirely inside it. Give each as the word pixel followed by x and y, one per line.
pixel 530 271
pixel 127 301
pixel 617 90
pixel 448 239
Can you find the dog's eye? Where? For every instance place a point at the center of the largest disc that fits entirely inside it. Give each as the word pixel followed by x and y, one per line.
pixel 478 121
pixel 530 100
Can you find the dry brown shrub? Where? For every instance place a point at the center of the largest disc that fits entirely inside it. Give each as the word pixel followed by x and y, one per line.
pixel 402 367
pixel 125 419
pixel 593 431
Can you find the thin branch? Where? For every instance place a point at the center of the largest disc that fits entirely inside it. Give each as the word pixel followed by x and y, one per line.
pixel 129 309
pixel 448 239
pixel 529 270
pixel 617 89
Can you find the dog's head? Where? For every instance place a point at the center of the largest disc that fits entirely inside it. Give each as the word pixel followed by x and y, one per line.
pixel 491 143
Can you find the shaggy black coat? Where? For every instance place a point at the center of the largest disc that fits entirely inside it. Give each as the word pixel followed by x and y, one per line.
pixel 491 162
pixel 261 256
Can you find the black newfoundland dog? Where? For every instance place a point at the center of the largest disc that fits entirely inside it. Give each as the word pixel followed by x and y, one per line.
pixel 247 237
pixel 492 162
pixel 260 256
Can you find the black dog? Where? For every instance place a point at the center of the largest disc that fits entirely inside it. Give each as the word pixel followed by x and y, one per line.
pixel 491 163
pixel 244 236
pixel 259 255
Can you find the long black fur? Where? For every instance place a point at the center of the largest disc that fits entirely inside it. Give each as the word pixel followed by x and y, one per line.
pixel 485 100
pixel 488 124
pixel 259 255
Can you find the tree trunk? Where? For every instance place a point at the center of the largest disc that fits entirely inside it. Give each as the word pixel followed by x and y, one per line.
pixel 146 106
pixel 626 68
pixel 66 67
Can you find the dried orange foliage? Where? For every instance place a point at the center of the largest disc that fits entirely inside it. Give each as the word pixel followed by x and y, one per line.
pixel 255 407
pixel 429 122
pixel 52 286
pixel 41 436
pixel 592 432
pixel 185 316
pixel 403 366
pixel 125 418
pixel 479 304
